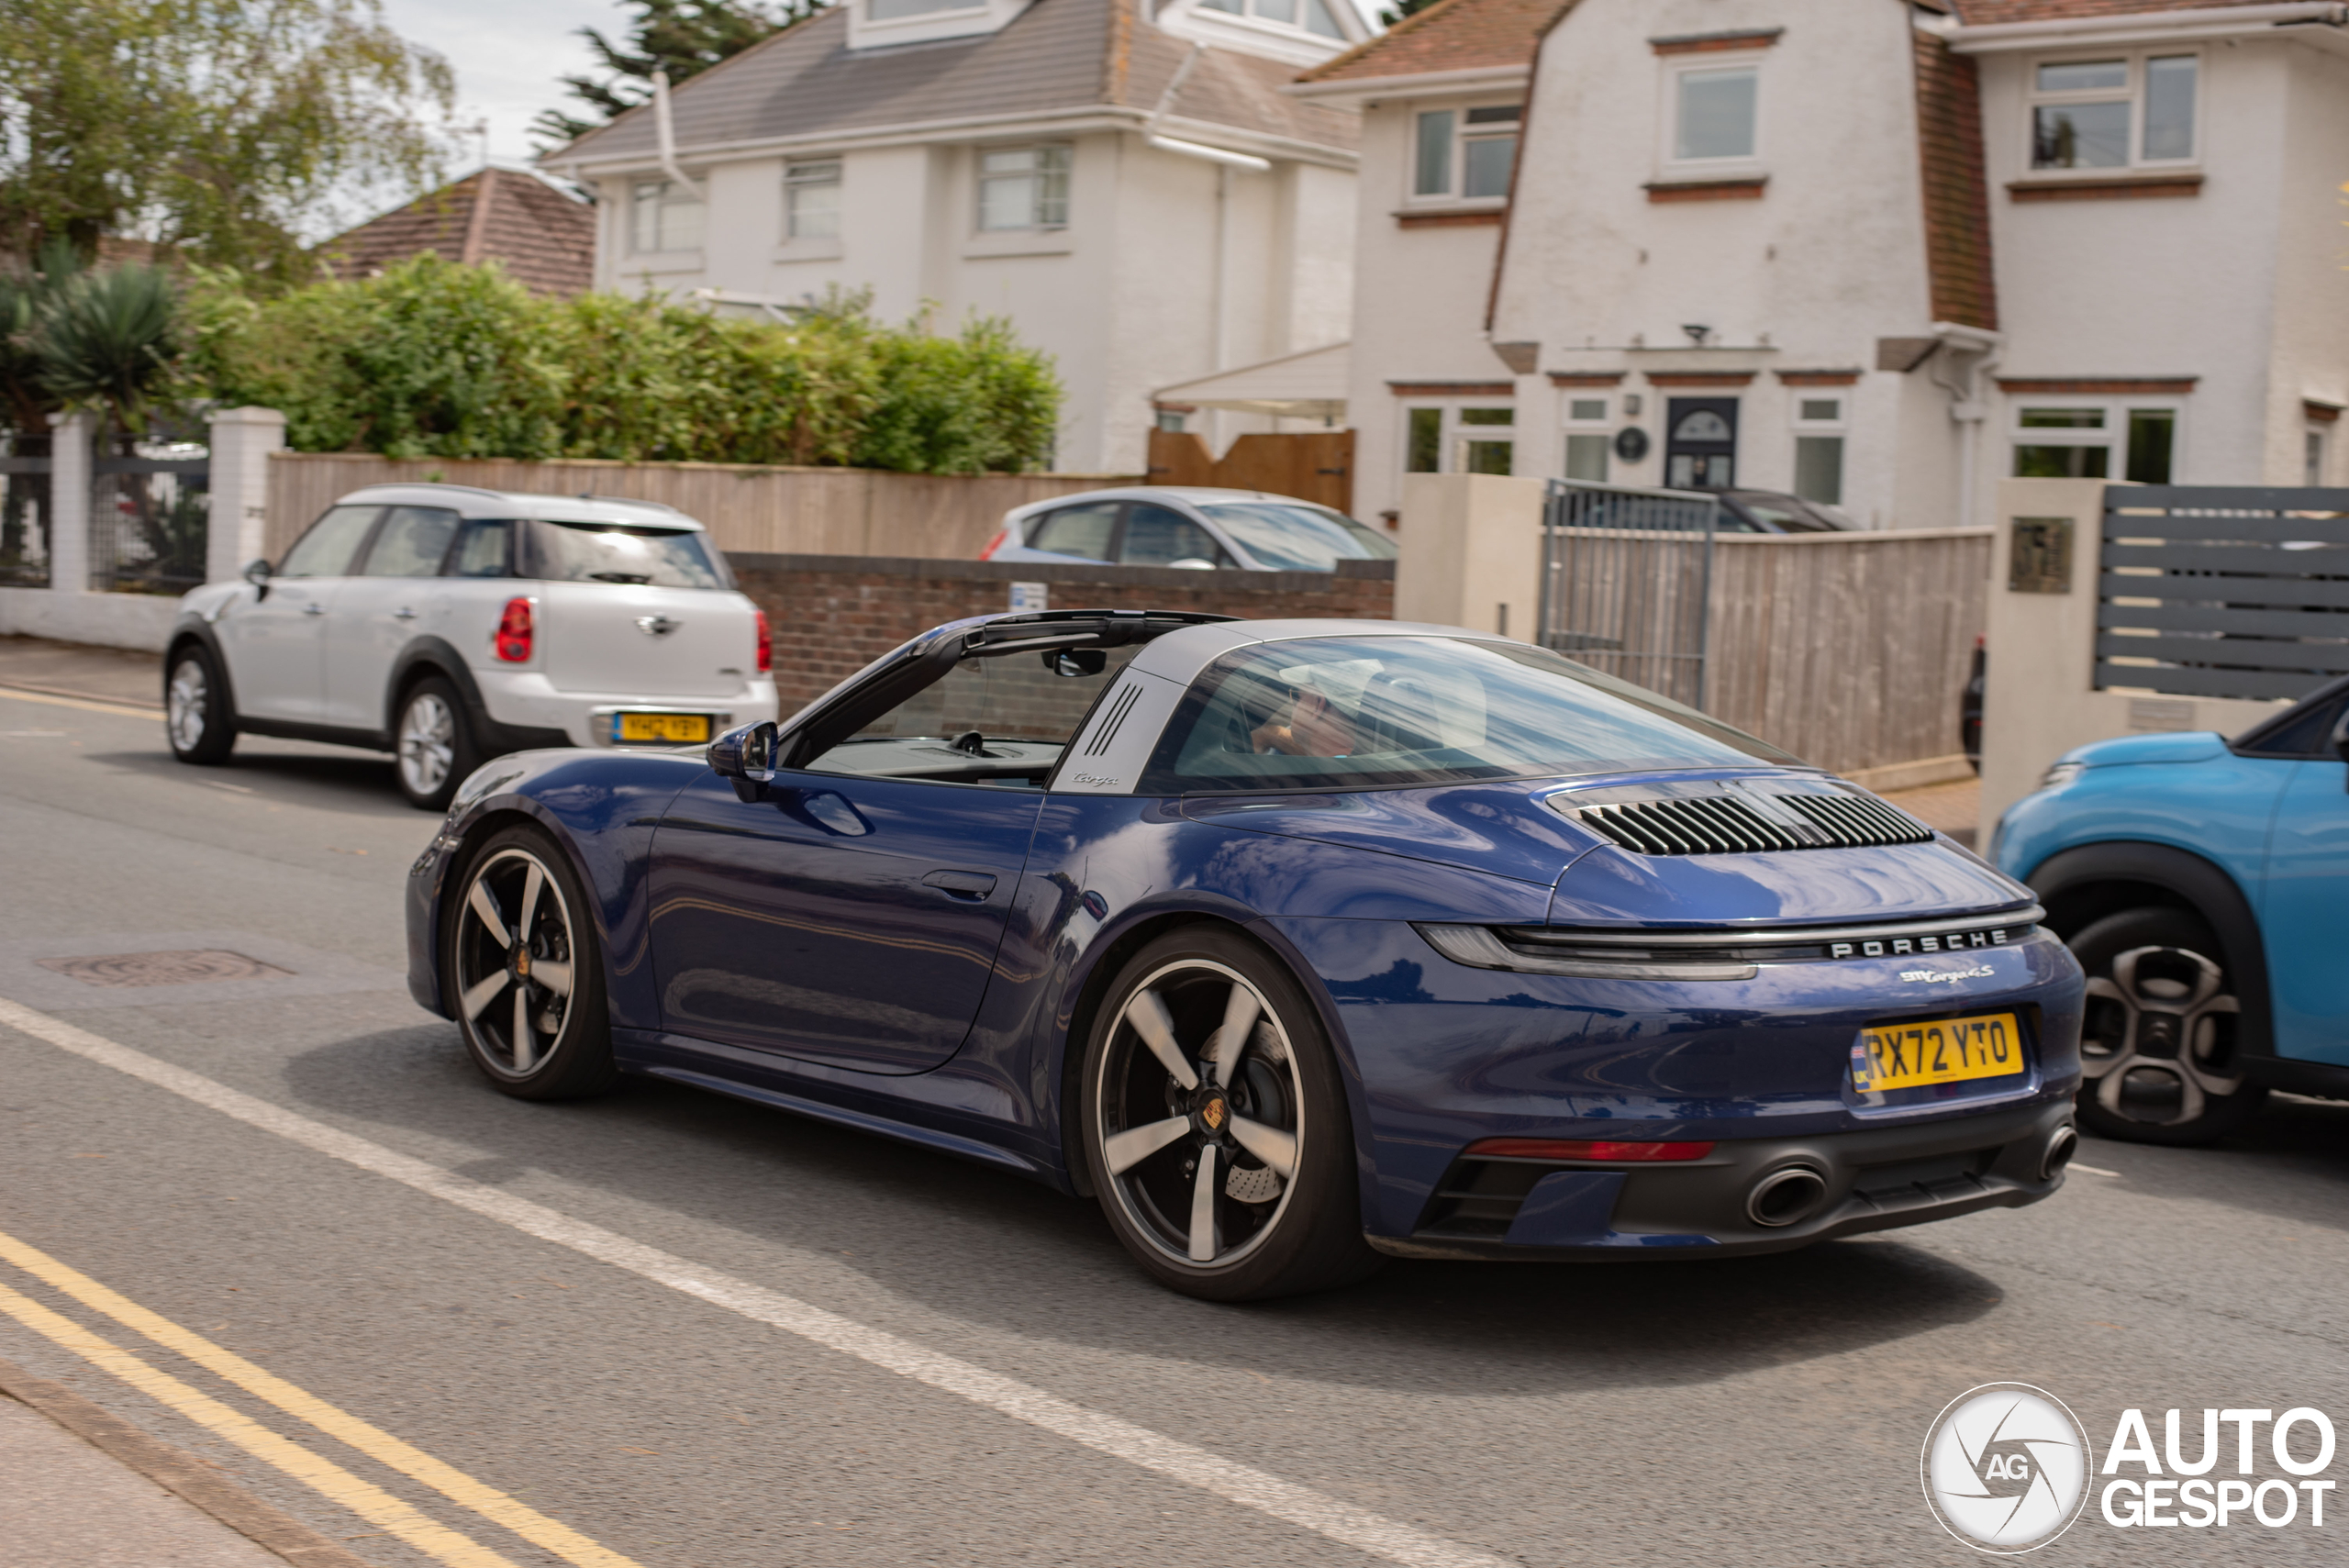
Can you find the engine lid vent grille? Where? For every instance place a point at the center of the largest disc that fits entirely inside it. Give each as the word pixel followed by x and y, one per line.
pixel 1735 825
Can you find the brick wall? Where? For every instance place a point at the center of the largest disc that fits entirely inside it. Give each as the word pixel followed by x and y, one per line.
pixel 832 615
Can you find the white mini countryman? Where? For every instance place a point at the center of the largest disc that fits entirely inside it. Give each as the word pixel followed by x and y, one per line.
pixel 448 624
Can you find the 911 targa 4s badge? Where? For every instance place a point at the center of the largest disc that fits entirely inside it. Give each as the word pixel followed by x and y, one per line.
pixel 1297 944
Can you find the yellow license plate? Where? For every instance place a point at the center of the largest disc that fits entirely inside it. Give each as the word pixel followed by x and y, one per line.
pixel 1947 1050
pixel 675 728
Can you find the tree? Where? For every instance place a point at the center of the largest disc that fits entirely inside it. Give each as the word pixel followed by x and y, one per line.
pixel 1401 9
pixel 684 37
pixel 219 129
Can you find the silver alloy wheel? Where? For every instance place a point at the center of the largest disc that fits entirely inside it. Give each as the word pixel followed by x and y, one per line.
pixel 2170 1004
pixel 428 742
pixel 1201 1139
pixel 514 976
pixel 185 704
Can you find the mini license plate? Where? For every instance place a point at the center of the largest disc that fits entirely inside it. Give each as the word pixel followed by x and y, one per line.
pixel 1947 1050
pixel 672 727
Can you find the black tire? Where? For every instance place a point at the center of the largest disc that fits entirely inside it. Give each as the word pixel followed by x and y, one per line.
pixel 568 1051
pixel 198 719
pixel 433 744
pixel 2158 1045
pixel 1265 1234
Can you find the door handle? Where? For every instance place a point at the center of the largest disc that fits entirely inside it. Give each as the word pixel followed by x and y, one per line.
pixel 972 886
pixel 404 613
pixel 314 610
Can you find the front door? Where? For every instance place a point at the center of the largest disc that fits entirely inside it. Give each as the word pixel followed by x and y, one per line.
pixel 847 921
pixel 1700 443
pixel 275 636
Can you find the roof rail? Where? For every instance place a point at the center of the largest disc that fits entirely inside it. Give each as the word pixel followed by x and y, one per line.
pixel 427 483
pixel 628 501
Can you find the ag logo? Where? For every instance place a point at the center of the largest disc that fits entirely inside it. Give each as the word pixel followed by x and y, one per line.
pixel 2006 1467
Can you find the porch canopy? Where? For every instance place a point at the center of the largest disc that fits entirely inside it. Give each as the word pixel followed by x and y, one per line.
pixel 1307 385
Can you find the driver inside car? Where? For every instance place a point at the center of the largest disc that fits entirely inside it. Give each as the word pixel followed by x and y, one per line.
pixel 1313 729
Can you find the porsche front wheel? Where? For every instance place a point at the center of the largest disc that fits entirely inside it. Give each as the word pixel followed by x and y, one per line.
pixel 525 975
pixel 1215 1126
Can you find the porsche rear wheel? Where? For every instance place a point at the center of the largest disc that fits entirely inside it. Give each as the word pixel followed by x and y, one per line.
pixel 524 978
pixel 1215 1127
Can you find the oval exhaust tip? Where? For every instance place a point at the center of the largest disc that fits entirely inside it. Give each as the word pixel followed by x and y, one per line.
pixel 2060 1147
pixel 1786 1196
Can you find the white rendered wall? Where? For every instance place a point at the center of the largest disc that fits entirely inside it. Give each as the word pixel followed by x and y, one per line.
pixel 2308 357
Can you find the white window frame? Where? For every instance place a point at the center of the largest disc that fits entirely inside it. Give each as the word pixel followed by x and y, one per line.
pixel 1452 447
pixel 1676 70
pixel 1455 158
pixel 2114 435
pixel 1599 426
pixel 1038 210
pixel 1247 13
pixel 2133 94
pixel 2316 452
pixel 1837 427
pixel 799 174
pixel 669 197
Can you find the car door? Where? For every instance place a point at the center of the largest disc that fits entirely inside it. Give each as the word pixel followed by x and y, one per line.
pixel 274 636
pixel 1161 536
pixel 390 598
pixel 1086 531
pixel 2304 906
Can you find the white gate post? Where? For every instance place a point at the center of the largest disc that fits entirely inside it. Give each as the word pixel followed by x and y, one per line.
pixel 241 442
pixel 71 438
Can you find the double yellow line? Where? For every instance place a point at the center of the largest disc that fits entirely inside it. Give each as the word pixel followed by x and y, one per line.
pixel 370 1502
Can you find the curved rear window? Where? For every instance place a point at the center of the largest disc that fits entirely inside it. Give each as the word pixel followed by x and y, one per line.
pixel 1291 535
pixel 1360 713
pixel 612 552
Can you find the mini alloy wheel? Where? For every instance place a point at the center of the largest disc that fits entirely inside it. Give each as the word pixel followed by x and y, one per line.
pixel 196 718
pixel 432 751
pixel 1217 1136
pixel 526 985
pixel 2158 1060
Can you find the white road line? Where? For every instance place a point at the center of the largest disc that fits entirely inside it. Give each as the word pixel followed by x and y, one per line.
pixel 1240 1483
pixel 2093 1170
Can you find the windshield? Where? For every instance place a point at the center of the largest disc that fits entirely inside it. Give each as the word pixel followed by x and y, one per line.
pixel 1292 536
pixel 613 552
pixel 1351 713
pixel 1787 514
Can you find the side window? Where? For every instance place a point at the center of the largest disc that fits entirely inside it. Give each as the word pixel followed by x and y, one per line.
pixel 1158 536
pixel 999 720
pixel 1081 531
pixel 412 542
pixel 483 551
pixel 327 550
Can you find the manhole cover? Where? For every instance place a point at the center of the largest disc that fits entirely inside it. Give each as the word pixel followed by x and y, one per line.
pixel 193 967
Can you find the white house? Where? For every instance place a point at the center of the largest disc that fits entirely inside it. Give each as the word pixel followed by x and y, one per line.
pixel 1879 252
pixel 1126 181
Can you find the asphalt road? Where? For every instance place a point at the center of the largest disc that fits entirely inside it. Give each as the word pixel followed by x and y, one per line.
pixel 515 1318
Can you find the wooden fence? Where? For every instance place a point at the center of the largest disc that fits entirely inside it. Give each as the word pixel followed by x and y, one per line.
pixel 1313 465
pixel 1851 650
pixel 787 511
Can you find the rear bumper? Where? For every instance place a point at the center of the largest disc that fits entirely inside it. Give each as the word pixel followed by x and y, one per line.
pixel 1876 1179
pixel 527 701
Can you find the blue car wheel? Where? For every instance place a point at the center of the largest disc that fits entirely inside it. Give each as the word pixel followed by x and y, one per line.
pixel 1215 1126
pixel 526 979
pixel 2158 1058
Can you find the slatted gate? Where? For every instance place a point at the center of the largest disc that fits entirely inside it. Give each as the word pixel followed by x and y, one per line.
pixel 2222 592
pixel 1626 577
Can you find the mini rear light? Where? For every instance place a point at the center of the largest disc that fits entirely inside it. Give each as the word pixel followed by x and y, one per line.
pixel 1569 1148
pixel 515 632
pixel 766 643
pixel 995 544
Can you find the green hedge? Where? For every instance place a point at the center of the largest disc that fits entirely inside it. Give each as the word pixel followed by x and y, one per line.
pixel 435 359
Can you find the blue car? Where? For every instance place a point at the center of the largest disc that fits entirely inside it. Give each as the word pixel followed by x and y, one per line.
pixel 1297 944
pixel 2204 885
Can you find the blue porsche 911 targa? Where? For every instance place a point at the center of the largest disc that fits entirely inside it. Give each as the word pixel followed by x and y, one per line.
pixel 1296 943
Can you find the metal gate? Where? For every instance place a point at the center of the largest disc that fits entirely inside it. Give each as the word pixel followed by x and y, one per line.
pixel 149 516
pixel 1626 577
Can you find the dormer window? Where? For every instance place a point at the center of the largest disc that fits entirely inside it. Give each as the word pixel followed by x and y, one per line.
pixel 1313 15
pixel 899 10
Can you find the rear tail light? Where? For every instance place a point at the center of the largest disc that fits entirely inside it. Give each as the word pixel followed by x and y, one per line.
pixel 1568 1149
pixel 766 643
pixel 995 544
pixel 515 632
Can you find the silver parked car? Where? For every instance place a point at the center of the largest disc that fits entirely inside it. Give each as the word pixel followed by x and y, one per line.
pixel 1163 525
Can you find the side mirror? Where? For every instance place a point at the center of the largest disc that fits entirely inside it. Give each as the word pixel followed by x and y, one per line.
pixel 257 572
pixel 1076 661
pixel 2340 737
pixel 746 756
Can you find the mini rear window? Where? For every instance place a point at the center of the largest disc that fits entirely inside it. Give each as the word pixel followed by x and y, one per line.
pixel 613 553
pixel 1360 713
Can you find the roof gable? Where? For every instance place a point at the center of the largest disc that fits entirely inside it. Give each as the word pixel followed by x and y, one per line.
pixel 1451 35
pixel 545 239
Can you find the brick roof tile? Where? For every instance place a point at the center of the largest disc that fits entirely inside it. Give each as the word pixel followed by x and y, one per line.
pixel 546 240
pixel 1451 35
